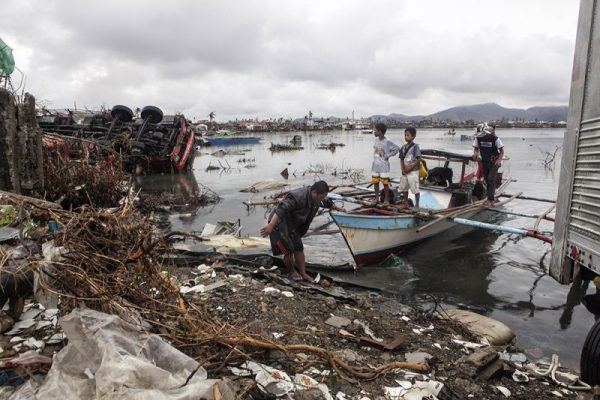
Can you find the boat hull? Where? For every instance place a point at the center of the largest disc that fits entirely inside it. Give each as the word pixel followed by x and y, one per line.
pixel 372 238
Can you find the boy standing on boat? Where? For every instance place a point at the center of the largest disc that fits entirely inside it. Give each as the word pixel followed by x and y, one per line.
pixel 291 220
pixel 380 170
pixel 491 149
pixel 410 157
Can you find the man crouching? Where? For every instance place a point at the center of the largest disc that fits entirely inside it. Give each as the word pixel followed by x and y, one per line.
pixel 291 220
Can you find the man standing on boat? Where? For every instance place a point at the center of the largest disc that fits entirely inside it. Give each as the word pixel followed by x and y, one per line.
pixel 383 149
pixel 491 149
pixel 291 220
pixel 410 159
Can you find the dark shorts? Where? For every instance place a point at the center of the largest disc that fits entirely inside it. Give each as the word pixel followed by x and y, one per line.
pixel 285 244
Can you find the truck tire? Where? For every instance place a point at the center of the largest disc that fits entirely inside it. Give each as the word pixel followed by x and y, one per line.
pixel 590 356
pixel 154 114
pixel 125 114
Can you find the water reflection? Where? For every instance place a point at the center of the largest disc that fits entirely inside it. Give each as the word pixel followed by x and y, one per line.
pixel 578 289
pixel 181 185
pixel 458 268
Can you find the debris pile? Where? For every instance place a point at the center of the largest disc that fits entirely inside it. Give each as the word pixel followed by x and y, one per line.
pixel 112 262
pixel 73 183
pixel 361 330
pixel 176 200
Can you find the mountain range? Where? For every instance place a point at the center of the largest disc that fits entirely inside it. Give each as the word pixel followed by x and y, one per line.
pixel 485 112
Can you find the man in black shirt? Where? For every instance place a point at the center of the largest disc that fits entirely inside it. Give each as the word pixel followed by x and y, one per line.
pixel 291 220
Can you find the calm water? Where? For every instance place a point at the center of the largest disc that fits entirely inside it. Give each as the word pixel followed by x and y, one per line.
pixel 498 273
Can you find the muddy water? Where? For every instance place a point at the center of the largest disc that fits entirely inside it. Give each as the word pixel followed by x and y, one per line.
pixel 496 273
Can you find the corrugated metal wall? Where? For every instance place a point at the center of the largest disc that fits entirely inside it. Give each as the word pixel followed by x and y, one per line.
pixel 577 226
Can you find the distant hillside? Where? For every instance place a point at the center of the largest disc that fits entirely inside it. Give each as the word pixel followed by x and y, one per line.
pixel 487 112
pixel 552 114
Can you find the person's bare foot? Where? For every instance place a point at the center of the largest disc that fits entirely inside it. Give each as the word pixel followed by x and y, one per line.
pixel 296 277
pixel 307 278
pixel 386 203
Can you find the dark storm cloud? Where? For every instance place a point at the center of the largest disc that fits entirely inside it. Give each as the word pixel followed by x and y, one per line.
pixel 273 58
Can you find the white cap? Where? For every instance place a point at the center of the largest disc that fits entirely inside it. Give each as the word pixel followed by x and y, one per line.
pixel 483 129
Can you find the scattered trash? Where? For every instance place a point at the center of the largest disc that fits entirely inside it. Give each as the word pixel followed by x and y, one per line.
pixel 404 384
pixel 338 322
pixel 390 345
pixel 513 357
pixel 468 345
pixel 367 330
pixel 564 379
pixel 417 357
pixel 287 294
pixel 203 268
pixel 503 390
pixel 520 377
pixel 419 391
pixel 420 331
pixel 202 288
pixel 221 228
pixel 271 290
pixel 7 234
pixel 276 382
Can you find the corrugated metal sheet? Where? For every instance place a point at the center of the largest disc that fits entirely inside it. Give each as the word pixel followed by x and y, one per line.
pixel 576 240
pixel 585 198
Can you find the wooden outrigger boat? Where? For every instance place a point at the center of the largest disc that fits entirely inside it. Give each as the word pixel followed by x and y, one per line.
pixel 373 233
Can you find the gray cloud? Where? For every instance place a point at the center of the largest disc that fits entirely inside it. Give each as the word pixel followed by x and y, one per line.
pixel 263 58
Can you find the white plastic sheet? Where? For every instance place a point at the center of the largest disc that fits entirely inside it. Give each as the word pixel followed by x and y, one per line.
pixel 108 358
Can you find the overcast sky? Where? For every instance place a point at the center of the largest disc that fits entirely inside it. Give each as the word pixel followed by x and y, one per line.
pixel 254 58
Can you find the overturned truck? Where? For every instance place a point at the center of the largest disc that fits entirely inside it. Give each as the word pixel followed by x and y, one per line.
pixel 152 142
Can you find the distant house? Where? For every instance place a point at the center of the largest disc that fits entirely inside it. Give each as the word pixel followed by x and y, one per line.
pixel 252 126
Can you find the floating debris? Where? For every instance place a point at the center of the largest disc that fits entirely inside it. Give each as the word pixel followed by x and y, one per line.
pixel 329 146
pixel 284 147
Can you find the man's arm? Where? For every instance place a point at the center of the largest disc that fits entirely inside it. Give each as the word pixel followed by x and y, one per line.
pixel 392 150
pixel 340 209
pixel 268 228
pixel 328 203
pixel 285 206
pixel 500 157
pixel 417 155
pixel 475 152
